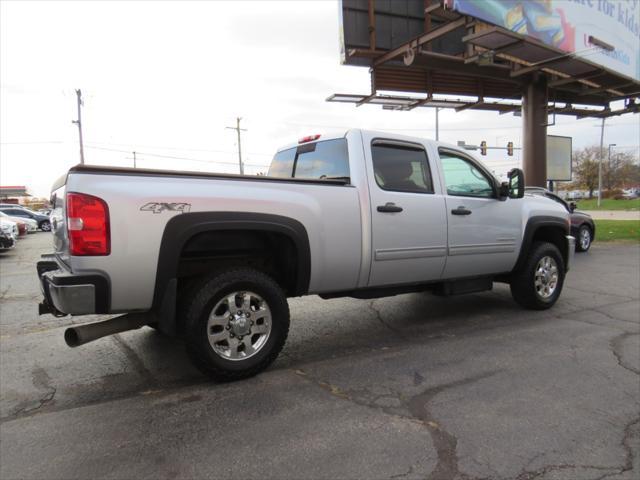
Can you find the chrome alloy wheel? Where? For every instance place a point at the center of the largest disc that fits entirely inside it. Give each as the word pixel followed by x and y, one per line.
pixel 585 238
pixel 239 325
pixel 546 277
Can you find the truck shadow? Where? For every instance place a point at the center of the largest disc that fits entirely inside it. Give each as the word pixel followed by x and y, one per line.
pixel 327 329
pixel 145 362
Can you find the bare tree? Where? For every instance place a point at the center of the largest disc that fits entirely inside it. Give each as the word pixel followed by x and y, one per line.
pixel 585 168
pixel 621 172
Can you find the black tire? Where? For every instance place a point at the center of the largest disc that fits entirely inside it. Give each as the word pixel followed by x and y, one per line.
pixel 45 226
pixel 523 289
pixel 200 300
pixel 579 244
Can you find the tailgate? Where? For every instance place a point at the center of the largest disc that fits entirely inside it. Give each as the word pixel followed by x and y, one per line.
pixel 59 222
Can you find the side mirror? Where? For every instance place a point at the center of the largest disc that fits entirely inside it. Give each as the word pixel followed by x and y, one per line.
pixel 572 206
pixel 516 183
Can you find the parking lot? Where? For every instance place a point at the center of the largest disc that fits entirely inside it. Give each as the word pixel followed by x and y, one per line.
pixel 412 386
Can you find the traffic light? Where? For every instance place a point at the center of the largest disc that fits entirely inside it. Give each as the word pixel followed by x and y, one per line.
pixel 483 147
pixel 510 149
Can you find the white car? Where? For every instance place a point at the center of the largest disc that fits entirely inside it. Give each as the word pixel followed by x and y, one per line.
pixel 32 225
pixel 9 227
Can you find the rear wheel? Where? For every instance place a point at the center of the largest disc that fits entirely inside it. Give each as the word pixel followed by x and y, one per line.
pixel 538 284
pixel 236 323
pixel 584 239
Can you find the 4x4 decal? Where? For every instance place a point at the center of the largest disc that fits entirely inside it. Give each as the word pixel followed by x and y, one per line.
pixel 159 207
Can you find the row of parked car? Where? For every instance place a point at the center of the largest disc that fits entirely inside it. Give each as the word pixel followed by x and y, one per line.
pixel 17 222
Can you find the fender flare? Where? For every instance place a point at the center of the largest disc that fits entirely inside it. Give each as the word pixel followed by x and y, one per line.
pixel 181 228
pixel 533 225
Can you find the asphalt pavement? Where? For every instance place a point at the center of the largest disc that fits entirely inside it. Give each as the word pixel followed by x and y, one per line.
pixel 412 386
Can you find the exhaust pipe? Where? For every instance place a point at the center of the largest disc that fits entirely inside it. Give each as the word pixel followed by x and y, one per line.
pixel 81 334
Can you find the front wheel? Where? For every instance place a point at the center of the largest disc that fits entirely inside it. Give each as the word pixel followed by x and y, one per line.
pixel 45 226
pixel 236 323
pixel 584 239
pixel 538 284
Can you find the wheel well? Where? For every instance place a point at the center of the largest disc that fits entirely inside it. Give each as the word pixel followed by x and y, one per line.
pixel 554 235
pixel 273 253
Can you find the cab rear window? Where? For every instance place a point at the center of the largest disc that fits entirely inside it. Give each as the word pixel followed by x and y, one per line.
pixel 319 160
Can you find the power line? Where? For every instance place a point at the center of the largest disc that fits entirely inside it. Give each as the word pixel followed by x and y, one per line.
pixel 41 142
pixel 185 149
pixel 172 157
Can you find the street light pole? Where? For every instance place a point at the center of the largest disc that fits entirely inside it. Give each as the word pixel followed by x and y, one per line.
pixel 437 124
pixel 609 165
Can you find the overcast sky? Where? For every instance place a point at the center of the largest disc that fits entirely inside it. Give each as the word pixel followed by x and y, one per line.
pixel 165 79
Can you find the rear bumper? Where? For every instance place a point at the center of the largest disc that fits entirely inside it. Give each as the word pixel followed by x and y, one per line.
pixel 571 251
pixel 68 294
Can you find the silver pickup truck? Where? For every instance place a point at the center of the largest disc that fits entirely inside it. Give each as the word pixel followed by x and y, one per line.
pixel 213 257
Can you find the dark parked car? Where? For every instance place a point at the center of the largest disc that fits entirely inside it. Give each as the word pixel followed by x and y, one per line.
pixel 44 223
pixel 582 225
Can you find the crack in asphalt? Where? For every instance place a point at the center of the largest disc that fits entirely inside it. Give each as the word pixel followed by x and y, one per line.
pixel 608 315
pixel 628 464
pixel 443 441
pixel 380 318
pixel 41 381
pixel 625 444
pixel 616 347
pixel 600 293
pixel 530 475
pixel 572 312
pixel 402 475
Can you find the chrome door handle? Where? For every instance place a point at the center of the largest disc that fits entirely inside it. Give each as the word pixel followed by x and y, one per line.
pixel 389 207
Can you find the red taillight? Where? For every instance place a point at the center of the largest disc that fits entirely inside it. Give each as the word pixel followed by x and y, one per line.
pixel 88 225
pixel 309 138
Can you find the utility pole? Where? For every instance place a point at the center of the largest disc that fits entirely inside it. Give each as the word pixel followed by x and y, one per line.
pixel 600 163
pixel 134 159
pixel 79 123
pixel 238 129
pixel 437 124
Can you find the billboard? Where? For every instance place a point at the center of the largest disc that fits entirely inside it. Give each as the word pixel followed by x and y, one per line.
pixel 568 24
pixel 396 22
pixel 558 158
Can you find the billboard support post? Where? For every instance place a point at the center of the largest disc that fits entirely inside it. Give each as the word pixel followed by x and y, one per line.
pixel 600 163
pixel 534 135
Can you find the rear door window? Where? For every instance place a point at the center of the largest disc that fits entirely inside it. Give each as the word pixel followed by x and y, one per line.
pixel 319 160
pixel 401 168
